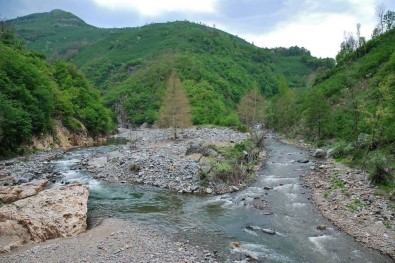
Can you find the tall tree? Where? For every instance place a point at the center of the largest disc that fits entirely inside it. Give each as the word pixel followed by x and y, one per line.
pixel 380 13
pixel 251 109
pixel 317 113
pixel 175 110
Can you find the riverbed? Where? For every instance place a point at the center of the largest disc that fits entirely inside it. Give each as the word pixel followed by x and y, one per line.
pixel 228 224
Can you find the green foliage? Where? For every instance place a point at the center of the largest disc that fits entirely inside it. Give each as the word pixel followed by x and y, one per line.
pixel 354 98
pixel 131 65
pixel 316 114
pixel 32 93
pixel 234 165
pixel 380 169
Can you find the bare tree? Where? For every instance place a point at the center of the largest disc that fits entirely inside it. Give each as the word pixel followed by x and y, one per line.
pixel 380 13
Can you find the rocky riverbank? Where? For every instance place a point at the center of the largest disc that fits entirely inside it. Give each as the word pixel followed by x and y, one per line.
pixel 114 240
pixel 153 158
pixel 346 198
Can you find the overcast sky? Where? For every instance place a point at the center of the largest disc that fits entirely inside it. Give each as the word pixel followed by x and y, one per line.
pixel 317 25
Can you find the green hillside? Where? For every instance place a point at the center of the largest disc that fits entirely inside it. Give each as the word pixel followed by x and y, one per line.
pixel 351 108
pixel 131 65
pixel 34 93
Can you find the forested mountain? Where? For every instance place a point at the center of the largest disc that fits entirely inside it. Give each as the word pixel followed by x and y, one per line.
pixel 33 94
pixel 132 65
pixel 350 108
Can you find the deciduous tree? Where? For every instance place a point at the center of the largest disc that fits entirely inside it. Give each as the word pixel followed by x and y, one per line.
pixel 251 109
pixel 175 110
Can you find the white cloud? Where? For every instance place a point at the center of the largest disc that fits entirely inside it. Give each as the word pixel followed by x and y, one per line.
pixel 152 8
pixel 319 31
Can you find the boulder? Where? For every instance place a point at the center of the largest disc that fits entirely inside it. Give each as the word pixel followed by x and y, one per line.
pixel 9 194
pixel 52 213
pixel 319 153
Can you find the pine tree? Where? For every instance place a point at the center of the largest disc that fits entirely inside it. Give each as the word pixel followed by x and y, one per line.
pixel 175 110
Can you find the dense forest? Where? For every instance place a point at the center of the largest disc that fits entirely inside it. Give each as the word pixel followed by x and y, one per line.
pixel 34 93
pixel 131 65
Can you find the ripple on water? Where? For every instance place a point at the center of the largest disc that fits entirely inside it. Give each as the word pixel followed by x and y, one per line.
pixel 262 251
pixel 286 188
pixel 299 205
pixel 320 241
pixel 275 179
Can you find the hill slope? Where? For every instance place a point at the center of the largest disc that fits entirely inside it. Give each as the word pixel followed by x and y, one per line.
pixel 34 94
pixel 131 65
pixel 352 108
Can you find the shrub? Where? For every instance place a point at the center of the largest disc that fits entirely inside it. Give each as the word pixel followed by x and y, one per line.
pixel 134 168
pixel 380 171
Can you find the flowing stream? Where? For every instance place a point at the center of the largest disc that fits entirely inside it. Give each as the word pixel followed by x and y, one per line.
pixel 213 222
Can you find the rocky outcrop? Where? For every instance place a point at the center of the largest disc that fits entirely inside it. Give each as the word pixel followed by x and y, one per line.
pixel 65 139
pixel 9 194
pixel 52 213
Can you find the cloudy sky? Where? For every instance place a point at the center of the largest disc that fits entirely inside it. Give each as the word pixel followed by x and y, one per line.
pixel 317 25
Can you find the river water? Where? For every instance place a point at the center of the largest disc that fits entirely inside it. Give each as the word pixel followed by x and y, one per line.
pixel 213 222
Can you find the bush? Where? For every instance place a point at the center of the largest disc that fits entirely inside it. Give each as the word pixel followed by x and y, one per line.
pixel 380 171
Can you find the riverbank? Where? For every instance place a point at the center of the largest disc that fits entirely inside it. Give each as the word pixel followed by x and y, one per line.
pixel 345 197
pixel 114 240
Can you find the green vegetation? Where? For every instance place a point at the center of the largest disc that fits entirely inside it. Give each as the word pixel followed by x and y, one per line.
pixel 131 66
pixel 350 109
pixel 34 93
pixel 234 164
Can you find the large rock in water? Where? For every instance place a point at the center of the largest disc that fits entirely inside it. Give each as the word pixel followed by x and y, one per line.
pixel 9 194
pixel 52 213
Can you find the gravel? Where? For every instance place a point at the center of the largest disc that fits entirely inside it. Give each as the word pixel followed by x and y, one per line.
pixel 155 159
pixel 114 240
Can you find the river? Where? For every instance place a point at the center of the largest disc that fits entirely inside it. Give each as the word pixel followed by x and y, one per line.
pixel 213 222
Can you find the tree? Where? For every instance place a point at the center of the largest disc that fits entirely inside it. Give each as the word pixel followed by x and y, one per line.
pixel 317 113
pixel 251 109
pixel 380 12
pixel 175 110
pixel 389 20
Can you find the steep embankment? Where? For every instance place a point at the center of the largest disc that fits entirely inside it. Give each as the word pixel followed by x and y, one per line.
pixel 132 65
pixel 37 99
pixel 350 109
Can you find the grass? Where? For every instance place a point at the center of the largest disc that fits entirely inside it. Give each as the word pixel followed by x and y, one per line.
pixel 337 183
pixel 355 205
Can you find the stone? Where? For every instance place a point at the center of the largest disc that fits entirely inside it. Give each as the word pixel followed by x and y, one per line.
pixel 302 161
pixel 319 153
pixel 52 213
pixel 209 190
pixel 268 231
pixel 194 188
pixel 321 227
pixel 9 194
